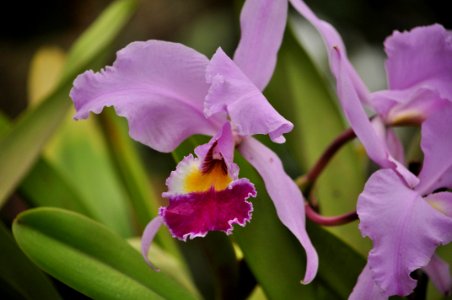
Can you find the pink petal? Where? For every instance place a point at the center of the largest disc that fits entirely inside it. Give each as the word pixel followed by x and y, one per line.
pixel 158 86
pixel 376 146
pixel 232 92
pixel 262 23
pixel 366 288
pixel 414 105
pixel 421 57
pixel 442 202
pixel 195 214
pixel 286 196
pixel 334 43
pixel 224 145
pixel 389 137
pixel 148 236
pixel 436 144
pixel 395 146
pixel 404 228
pixel 439 273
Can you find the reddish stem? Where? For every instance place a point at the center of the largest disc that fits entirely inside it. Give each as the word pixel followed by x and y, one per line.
pixel 329 221
pixel 310 178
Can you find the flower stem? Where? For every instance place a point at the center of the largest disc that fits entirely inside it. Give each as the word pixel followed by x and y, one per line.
pixel 307 181
pixel 329 221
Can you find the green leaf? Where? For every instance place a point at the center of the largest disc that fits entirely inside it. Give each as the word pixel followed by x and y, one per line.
pixel 168 263
pixel 79 152
pixel 45 186
pixel 302 95
pixel 90 258
pixel 98 37
pixel 278 261
pixel 274 256
pixel 19 277
pixel 133 176
pixel 339 264
pixel 129 167
pixel 20 147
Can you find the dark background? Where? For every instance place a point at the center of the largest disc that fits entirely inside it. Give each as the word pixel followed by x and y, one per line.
pixel 27 25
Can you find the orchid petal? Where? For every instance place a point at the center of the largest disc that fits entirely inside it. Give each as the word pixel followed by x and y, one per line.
pixel 413 105
pixel 395 146
pixel 148 236
pixel 334 43
pixel 158 86
pixel 195 214
pixel 423 57
pixel 232 92
pixel 262 23
pixel 436 144
pixel 439 273
pixel 286 196
pixel 375 145
pixel 442 202
pixel 225 145
pixel 366 288
pixel 389 137
pixel 404 228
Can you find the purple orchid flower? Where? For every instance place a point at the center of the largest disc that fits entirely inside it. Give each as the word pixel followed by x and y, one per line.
pixel 419 70
pixel 419 74
pixel 403 214
pixel 168 92
pixel 407 224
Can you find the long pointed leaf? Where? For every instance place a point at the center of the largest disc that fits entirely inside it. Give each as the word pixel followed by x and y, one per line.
pixel 90 258
pixel 19 277
pixel 80 154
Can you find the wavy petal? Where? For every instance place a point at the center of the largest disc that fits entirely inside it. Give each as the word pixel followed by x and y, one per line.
pixel 148 236
pixel 158 86
pixel 436 144
pixel 422 57
pixel 286 196
pixel 262 23
pixel 404 228
pixel 195 214
pixel 366 288
pixel 232 92
pixel 439 273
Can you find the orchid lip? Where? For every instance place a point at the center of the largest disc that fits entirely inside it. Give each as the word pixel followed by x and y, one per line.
pixel 195 214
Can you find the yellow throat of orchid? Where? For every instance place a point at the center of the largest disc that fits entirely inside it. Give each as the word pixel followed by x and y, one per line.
pixel 199 180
